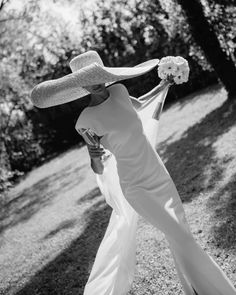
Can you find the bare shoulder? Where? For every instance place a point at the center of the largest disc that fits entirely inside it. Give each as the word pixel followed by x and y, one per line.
pixel 119 88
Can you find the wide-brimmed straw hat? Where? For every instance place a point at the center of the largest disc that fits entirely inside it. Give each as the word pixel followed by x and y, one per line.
pixel 87 69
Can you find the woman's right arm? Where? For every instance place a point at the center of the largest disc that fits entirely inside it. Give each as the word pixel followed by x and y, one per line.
pixel 96 161
pixel 94 149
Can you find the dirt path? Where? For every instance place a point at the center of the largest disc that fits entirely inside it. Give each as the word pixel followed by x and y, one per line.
pixel 56 217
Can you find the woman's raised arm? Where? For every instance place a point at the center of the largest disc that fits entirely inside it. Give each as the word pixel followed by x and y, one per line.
pixel 142 101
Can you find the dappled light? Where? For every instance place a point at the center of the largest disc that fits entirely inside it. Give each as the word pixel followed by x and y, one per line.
pixel 192 156
pixel 54 209
pixel 71 267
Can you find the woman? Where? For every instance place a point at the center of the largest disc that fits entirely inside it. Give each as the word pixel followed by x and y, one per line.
pixel 98 94
pixel 112 116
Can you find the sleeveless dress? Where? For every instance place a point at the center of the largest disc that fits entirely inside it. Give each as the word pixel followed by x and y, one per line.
pixel 143 186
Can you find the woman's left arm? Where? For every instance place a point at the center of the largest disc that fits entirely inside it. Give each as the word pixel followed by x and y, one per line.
pixel 139 103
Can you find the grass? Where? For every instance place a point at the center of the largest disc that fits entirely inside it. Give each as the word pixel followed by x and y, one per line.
pixel 53 221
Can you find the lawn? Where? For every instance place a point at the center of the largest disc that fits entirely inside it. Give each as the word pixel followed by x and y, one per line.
pixel 53 221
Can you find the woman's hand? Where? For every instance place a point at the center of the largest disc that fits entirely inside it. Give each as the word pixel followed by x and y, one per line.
pixel 164 83
pixel 96 153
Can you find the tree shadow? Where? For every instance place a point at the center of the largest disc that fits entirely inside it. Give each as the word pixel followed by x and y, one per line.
pixel 89 196
pixel 223 202
pixel 68 273
pixel 187 158
pixel 62 226
pixel 31 199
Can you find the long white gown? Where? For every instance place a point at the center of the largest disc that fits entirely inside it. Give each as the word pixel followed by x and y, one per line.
pixel 136 182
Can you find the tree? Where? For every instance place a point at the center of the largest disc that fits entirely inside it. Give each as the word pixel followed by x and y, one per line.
pixel 206 38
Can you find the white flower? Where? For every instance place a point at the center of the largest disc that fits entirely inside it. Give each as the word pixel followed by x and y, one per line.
pixel 178 79
pixel 180 60
pixel 183 72
pixel 166 67
pixel 185 75
pixel 161 73
pixel 166 59
pixel 182 64
pixel 174 67
pixel 181 77
pixel 169 67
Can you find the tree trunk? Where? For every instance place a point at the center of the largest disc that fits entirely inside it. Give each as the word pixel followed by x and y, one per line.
pixel 206 38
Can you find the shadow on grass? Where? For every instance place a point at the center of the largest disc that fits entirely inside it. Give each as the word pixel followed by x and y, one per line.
pixel 89 196
pixel 223 202
pixel 187 159
pixel 30 200
pixel 68 273
pixel 62 226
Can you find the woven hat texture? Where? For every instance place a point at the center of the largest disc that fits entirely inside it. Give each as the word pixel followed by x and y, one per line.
pixel 87 69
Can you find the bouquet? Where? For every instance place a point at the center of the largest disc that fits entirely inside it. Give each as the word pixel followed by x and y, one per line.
pixel 174 69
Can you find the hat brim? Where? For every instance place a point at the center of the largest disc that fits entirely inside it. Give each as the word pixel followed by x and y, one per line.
pixel 70 87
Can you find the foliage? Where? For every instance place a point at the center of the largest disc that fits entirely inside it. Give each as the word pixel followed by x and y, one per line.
pixel 223 19
pixel 127 33
pixel 36 45
pixel 30 47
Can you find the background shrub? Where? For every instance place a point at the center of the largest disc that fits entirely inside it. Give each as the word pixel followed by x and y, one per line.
pixel 36 45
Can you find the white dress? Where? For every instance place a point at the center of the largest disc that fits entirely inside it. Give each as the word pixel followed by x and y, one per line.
pixel 135 181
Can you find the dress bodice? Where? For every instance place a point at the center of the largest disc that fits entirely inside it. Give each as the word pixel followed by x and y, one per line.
pixel 115 119
pixel 120 126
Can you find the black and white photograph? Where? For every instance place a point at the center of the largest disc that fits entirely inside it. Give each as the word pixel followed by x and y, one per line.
pixel 117 147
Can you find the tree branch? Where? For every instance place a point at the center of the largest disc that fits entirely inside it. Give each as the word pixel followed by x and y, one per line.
pixel 3 3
